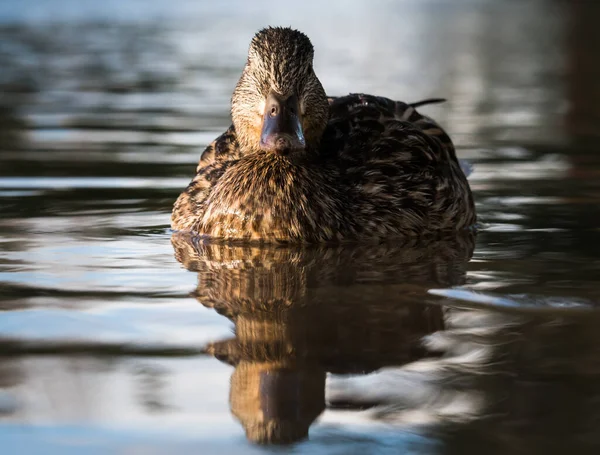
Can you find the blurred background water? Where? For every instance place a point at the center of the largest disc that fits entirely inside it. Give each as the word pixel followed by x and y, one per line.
pixel 107 343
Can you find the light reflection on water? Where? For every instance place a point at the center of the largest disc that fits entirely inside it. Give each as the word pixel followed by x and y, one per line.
pixel 103 347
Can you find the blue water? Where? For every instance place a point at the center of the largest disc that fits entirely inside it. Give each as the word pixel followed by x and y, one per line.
pixel 116 337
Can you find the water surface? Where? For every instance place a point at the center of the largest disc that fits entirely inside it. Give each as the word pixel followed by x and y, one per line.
pixel 117 337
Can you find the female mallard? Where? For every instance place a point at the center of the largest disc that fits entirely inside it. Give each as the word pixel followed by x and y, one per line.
pixel 297 166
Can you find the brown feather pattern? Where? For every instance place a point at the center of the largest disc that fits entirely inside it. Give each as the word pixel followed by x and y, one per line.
pixel 380 169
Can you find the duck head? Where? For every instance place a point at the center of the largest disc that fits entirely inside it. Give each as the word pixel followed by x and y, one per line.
pixel 279 106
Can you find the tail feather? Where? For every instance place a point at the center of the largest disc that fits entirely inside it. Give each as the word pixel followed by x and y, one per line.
pixel 428 101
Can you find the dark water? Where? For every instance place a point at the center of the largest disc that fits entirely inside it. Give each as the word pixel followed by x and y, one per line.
pixel 117 337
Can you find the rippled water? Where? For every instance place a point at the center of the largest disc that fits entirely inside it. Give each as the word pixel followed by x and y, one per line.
pixel 118 337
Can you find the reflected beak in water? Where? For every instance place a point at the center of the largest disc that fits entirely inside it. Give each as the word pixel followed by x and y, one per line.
pixel 282 127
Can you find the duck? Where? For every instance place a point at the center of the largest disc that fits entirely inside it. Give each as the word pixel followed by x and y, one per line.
pixel 298 166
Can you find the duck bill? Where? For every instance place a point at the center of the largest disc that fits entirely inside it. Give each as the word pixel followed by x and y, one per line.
pixel 282 127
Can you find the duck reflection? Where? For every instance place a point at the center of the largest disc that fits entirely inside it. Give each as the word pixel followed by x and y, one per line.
pixel 300 312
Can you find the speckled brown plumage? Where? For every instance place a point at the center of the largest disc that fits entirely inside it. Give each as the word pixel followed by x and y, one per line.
pixel 373 168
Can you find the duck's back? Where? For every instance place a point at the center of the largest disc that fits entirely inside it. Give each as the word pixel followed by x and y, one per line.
pixel 400 167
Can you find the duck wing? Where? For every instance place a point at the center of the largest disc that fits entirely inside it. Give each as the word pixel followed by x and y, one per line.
pixel 223 148
pixel 359 110
pixel 399 166
pixel 214 160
